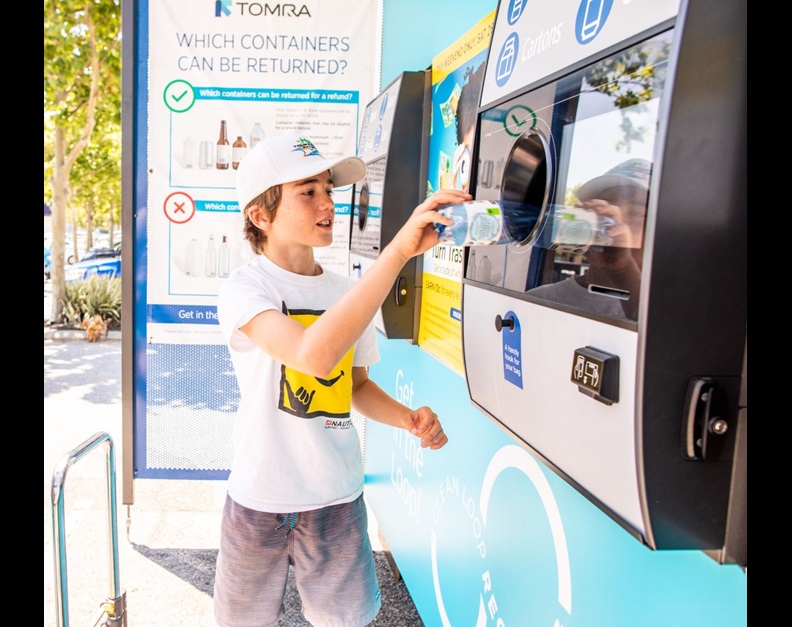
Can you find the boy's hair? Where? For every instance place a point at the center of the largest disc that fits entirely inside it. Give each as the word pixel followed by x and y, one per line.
pixel 467 107
pixel 269 200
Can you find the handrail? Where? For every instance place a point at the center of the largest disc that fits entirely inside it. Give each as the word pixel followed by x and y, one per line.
pixel 115 604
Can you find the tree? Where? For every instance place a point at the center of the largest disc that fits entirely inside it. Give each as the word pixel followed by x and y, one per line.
pixel 97 183
pixel 82 53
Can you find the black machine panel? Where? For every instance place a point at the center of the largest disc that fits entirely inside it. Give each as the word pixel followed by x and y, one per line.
pixel 394 144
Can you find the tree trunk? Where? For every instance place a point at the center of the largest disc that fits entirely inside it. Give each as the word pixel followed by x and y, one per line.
pixel 111 230
pixel 61 172
pixel 89 225
pixel 75 255
pixel 60 181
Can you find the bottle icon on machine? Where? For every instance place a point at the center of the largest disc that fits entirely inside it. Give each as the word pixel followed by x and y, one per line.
pixel 592 19
pixel 223 157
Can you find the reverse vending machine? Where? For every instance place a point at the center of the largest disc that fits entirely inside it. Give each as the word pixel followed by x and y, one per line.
pixel 612 340
pixel 393 143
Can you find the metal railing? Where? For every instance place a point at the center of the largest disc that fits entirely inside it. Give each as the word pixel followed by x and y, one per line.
pixel 114 606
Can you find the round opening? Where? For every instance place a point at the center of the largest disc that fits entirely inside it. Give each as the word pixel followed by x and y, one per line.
pixel 363 206
pixel 464 168
pixel 525 187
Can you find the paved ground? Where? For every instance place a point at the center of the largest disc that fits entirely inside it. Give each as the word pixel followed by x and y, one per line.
pixel 167 539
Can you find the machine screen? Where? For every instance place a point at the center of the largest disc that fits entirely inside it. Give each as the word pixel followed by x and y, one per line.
pixel 598 129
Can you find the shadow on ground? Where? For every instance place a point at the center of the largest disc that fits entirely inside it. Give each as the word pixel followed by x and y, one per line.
pixel 197 567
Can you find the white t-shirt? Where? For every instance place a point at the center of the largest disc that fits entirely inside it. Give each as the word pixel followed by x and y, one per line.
pixel 570 292
pixel 295 446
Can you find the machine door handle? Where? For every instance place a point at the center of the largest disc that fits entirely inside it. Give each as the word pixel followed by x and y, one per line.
pixel 705 419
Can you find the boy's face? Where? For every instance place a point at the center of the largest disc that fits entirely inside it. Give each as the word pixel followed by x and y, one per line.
pixel 631 201
pixel 306 213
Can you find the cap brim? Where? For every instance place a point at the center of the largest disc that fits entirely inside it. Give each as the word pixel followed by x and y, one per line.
pixel 347 171
pixel 595 187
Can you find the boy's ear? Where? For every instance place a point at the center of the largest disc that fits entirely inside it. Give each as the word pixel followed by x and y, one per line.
pixel 259 216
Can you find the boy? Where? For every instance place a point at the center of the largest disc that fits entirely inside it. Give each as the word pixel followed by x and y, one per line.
pixel 301 339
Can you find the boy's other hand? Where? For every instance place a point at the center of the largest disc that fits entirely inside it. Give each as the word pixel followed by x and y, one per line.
pixel 424 423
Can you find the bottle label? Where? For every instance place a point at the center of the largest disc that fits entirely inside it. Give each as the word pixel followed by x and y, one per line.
pixel 237 154
pixel 223 154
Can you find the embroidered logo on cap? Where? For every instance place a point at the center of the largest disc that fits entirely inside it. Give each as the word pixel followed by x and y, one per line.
pixel 307 148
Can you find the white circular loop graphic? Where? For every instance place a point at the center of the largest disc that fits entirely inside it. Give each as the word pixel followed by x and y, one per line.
pixel 513 456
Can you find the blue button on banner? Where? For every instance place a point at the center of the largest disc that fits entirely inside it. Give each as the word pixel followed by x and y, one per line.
pixel 182 314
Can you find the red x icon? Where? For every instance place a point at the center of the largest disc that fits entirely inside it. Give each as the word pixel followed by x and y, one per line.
pixel 179 207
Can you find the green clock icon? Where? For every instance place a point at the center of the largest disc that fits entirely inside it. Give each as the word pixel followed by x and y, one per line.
pixel 518 120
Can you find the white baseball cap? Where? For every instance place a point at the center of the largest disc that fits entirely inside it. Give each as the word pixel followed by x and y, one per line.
pixel 287 158
pixel 633 172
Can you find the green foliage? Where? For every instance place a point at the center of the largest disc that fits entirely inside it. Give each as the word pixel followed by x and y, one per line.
pixel 630 79
pixel 96 295
pixel 83 38
pixel 82 122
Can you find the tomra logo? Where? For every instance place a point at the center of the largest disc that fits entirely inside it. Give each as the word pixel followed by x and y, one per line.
pixel 257 9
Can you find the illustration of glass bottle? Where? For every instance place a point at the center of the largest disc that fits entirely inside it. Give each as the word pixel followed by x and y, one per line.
pixel 223 259
pixel 238 151
pixel 192 258
pixel 256 134
pixel 211 258
pixel 223 156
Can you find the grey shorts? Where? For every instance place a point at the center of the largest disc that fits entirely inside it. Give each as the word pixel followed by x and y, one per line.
pixel 332 558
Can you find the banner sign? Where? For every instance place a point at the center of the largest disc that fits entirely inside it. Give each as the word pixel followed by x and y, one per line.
pixel 223 75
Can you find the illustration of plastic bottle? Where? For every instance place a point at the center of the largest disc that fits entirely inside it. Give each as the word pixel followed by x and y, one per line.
pixel 211 258
pixel 256 134
pixel 192 258
pixel 240 256
pixel 223 259
pixel 238 151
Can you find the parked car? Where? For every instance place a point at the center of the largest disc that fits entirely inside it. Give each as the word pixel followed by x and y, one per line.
pixel 97 261
pixel 47 263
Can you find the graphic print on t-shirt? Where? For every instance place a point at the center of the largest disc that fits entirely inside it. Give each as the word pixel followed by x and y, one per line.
pixel 306 396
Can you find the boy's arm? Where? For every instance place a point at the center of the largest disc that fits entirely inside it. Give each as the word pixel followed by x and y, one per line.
pixel 317 349
pixel 371 401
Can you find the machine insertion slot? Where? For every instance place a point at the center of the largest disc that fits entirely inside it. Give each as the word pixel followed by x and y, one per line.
pixel 609 291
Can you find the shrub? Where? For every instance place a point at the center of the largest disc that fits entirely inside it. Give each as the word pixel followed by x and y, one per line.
pixel 95 296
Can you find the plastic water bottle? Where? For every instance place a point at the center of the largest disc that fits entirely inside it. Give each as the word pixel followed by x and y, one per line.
pixel 487 222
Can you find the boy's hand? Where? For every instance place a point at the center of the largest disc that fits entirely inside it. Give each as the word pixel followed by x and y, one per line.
pixel 418 234
pixel 423 423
